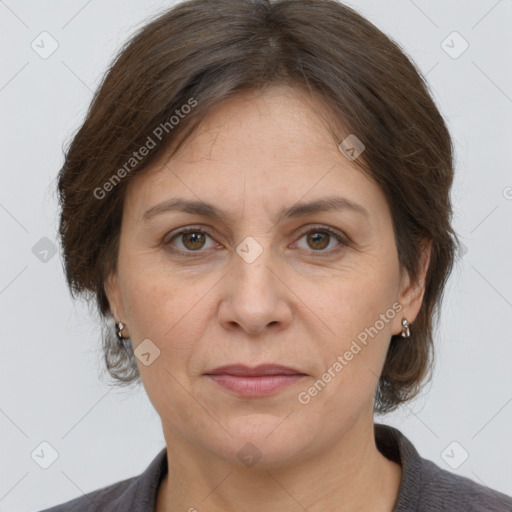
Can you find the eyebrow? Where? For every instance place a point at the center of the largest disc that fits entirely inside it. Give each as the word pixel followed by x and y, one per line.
pixel 296 210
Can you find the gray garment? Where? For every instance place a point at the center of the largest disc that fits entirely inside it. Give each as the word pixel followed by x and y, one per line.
pixel 425 487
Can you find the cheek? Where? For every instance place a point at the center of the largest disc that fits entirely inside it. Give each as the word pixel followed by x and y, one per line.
pixel 172 317
pixel 358 312
pixel 352 303
pixel 164 309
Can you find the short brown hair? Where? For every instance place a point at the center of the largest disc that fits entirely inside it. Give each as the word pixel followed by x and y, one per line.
pixel 208 51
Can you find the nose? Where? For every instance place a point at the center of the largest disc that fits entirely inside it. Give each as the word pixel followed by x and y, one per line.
pixel 255 297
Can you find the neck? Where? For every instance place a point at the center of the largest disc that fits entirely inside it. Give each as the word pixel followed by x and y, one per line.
pixel 351 476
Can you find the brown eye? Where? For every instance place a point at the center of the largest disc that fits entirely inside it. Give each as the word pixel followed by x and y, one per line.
pixel 193 240
pixel 318 240
pixel 188 241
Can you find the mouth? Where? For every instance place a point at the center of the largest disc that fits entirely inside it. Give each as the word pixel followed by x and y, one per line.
pixel 259 381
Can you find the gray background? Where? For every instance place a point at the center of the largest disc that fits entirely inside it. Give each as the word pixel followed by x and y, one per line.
pixel 50 389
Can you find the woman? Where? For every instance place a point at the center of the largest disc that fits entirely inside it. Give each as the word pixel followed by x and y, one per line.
pixel 259 200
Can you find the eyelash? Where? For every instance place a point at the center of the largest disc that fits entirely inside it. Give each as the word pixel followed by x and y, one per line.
pixel 323 229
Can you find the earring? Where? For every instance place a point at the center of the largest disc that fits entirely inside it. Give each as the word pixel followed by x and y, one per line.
pixel 406 332
pixel 119 327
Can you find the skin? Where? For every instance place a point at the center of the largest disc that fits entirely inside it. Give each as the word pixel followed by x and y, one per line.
pixel 300 303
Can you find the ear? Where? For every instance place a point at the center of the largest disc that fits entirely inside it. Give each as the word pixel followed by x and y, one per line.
pixel 113 292
pixel 411 294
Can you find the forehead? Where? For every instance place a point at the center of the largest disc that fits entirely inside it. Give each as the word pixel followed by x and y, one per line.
pixel 269 147
pixel 279 122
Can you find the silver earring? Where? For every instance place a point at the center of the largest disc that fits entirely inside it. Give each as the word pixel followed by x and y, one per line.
pixel 119 327
pixel 406 332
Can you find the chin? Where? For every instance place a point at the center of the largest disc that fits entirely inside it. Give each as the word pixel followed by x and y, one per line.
pixel 264 441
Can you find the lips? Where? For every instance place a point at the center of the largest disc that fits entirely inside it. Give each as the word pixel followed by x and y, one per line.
pixel 255 382
pixel 241 370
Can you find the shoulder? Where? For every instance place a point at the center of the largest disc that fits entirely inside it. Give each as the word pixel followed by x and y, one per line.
pixel 426 487
pixel 137 493
pixel 104 499
pixel 443 490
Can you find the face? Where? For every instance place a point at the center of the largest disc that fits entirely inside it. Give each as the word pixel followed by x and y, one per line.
pixel 317 290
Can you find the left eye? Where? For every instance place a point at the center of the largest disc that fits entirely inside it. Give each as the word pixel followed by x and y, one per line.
pixel 319 238
pixel 194 239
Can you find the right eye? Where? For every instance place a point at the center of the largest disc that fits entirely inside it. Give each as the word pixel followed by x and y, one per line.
pixel 192 240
